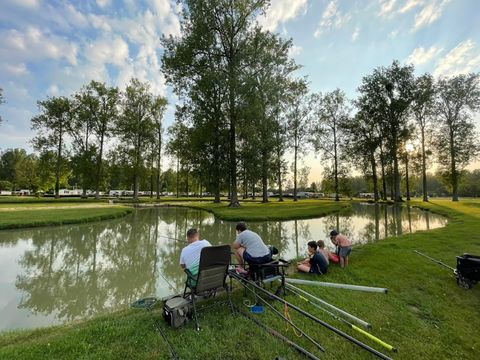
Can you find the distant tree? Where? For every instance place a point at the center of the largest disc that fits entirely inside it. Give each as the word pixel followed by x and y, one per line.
pixel 26 173
pixel 157 110
pixel 456 140
pixel 303 177
pixel 299 123
pixel 135 127
pixel 6 185
pixel 10 160
pixel 390 93
pixel 52 126
pixel 331 112
pixel 423 112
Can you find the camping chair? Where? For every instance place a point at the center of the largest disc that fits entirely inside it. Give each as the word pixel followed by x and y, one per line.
pixel 212 273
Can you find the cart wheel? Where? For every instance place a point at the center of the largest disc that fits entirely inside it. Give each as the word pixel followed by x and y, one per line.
pixel 464 283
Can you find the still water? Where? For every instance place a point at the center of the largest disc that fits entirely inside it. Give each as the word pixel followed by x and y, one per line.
pixel 52 275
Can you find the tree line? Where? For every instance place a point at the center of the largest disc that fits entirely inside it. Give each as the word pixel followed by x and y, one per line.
pixel 243 108
pixel 72 134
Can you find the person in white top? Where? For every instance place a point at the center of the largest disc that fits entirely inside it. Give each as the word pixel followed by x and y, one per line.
pixel 190 255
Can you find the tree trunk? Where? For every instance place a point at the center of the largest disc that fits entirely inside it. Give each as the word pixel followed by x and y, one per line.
pixel 159 162
pixel 295 166
pixel 406 177
pixel 384 178
pixel 178 171
pixel 264 178
pixel 396 172
pixel 424 166
pixel 99 165
pixel 335 156
pixel 233 151
pixel 84 181
pixel 374 177
pixel 453 169
pixel 59 163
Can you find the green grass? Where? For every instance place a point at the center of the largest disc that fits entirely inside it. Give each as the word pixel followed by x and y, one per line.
pixel 33 216
pixel 425 315
pixel 38 200
pixel 256 211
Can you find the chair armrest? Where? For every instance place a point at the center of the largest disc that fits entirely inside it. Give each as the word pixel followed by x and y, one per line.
pixel 191 279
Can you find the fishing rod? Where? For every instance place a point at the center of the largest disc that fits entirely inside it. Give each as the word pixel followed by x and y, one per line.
pixel 157 326
pixel 171 238
pixel 335 285
pixel 320 347
pixel 343 312
pixel 278 335
pixel 349 324
pixel 313 318
pixel 434 260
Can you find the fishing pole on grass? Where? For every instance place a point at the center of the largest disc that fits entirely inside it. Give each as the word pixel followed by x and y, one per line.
pixel 340 311
pixel 171 238
pixel 314 318
pixel 278 335
pixel 289 321
pixel 434 260
pixel 349 324
pixel 157 326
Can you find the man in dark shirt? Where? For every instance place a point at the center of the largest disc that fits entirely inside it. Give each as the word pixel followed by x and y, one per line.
pixel 315 263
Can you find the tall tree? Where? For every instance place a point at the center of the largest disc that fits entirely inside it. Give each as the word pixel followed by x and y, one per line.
pixel 52 125
pixel 423 111
pixel 332 111
pixel 390 89
pixel 103 104
pixel 299 121
pixel 135 127
pixel 456 139
pixel 157 109
pixel 217 32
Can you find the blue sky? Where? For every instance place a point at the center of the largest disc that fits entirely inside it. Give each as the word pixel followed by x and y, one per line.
pixel 53 47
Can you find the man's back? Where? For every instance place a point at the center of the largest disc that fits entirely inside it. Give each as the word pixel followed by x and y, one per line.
pixel 190 255
pixel 253 243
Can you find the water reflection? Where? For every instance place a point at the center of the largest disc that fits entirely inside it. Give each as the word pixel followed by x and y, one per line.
pixel 52 275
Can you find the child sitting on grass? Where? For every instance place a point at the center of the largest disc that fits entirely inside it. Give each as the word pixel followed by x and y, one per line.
pixel 331 256
pixel 316 263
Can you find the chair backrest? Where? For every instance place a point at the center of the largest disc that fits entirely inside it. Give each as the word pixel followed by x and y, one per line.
pixel 213 267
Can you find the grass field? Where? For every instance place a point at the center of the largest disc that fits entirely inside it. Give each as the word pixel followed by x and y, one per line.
pixel 13 216
pixel 274 210
pixel 425 315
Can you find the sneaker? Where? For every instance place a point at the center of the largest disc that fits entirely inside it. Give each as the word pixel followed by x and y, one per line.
pixel 241 271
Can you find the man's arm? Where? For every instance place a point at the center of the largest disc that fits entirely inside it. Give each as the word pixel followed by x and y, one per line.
pixel 236 244
pixel 182 266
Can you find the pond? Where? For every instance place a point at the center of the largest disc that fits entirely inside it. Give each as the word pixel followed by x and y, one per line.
pixel 51 275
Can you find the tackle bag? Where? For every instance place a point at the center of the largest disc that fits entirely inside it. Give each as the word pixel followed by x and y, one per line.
pixel 176 311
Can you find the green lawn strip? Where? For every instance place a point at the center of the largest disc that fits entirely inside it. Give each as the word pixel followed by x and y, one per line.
pixel 46 217
pixel 425 315
pixel 287 210
pixel 48 200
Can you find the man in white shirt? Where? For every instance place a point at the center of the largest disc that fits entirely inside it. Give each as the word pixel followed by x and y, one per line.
pixel 190 255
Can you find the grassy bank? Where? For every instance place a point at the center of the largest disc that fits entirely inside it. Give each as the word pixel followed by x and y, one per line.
pixel 256 211
pixel 13 216
pixel 425 315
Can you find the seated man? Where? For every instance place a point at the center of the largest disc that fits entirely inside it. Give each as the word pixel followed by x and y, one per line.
pixel 190 255
pixel 316 263
pixel 250 247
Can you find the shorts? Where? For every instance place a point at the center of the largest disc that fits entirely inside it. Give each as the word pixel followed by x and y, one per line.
pixel 256 260
pixel 344 251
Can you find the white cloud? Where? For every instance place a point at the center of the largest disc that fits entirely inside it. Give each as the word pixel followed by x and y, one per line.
pixel 393 34
pixel 422 55
pixel 355 34
pixel 464 58
pixel 332 18
pixel 429 13
pixel 17 69
pixel 295 50
pixel 33 44
pixel 107 50
pixel 29 4
pixel 409 5
pixel 103 3
pixel 386 7
pixel 280 11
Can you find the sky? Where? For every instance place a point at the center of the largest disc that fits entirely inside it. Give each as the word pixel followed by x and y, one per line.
pixel 52 48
